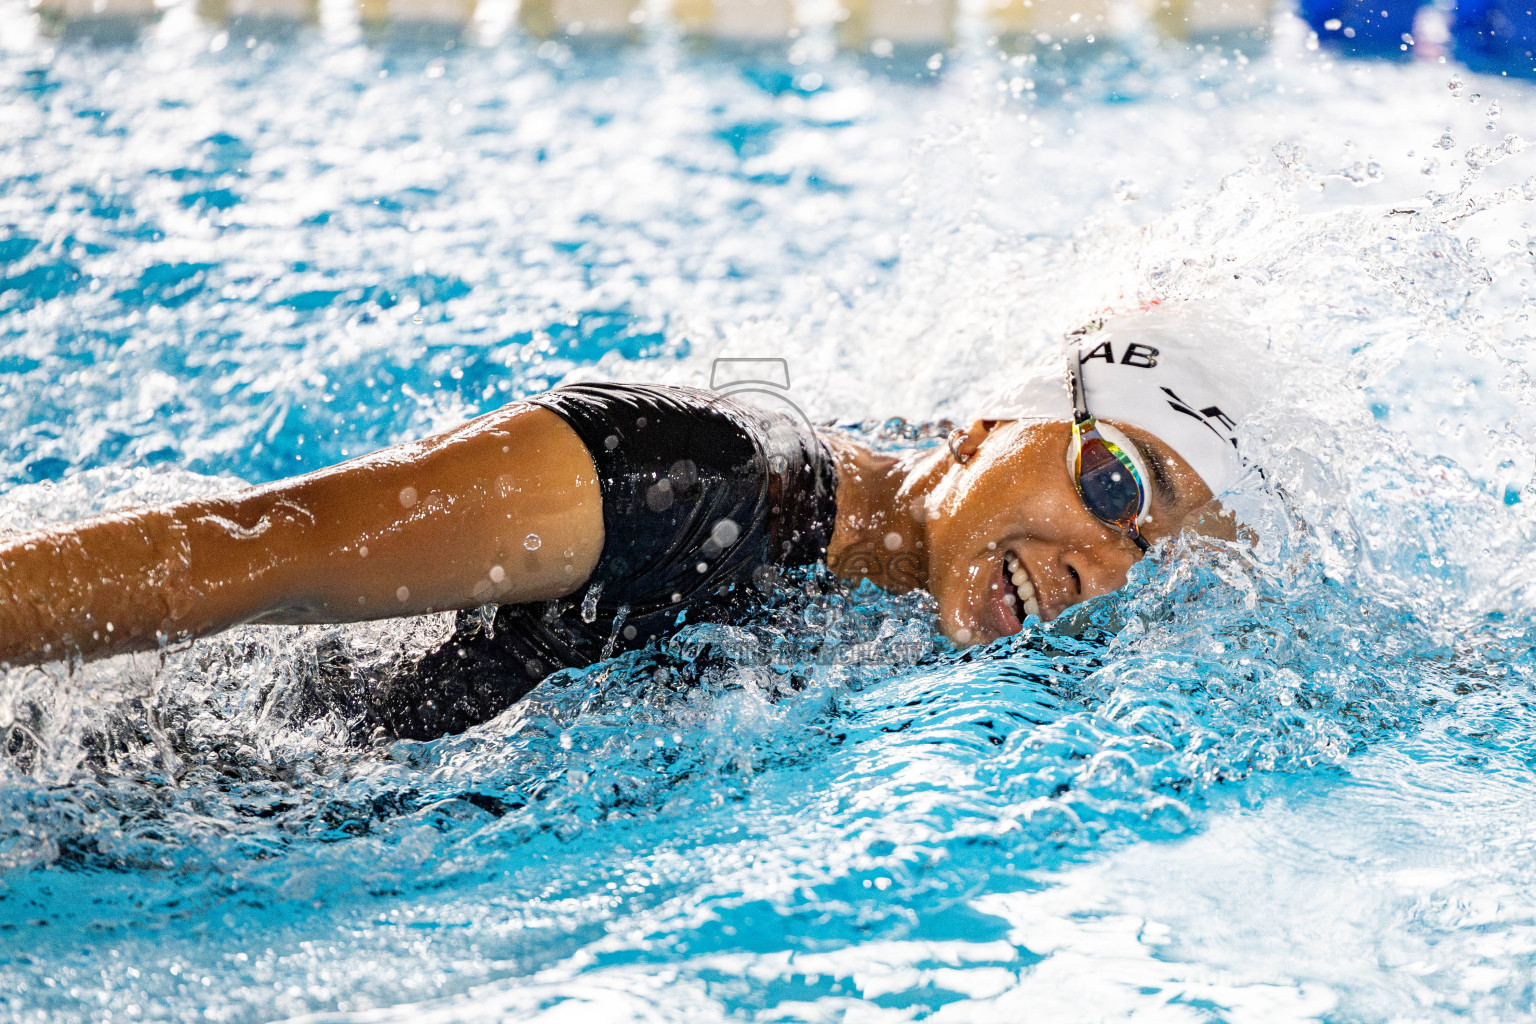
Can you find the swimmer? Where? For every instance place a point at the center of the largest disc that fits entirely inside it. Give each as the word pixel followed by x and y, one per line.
pixel 597 517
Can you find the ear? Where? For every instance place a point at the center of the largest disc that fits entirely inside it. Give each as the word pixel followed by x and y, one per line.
pixel 966 441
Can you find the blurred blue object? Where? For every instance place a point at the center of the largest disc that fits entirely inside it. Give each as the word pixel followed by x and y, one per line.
pixel 1496 36
pixel 1364 28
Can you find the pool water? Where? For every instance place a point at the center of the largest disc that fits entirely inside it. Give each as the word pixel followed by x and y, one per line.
pixel 1291 781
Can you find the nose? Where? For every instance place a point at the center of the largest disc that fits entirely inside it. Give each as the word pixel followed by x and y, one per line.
pixel 1099 569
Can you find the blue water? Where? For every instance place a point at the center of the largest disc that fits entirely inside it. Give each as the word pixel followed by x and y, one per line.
pixel 1285 781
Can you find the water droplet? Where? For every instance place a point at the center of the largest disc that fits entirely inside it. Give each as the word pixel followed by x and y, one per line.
pixel 589 603
pixel 531 542
pixel 498 574
pixel 683 474
pixel 408 497
pixel 402 594
pixel 659 497
pixel 725 532
pixel 613 637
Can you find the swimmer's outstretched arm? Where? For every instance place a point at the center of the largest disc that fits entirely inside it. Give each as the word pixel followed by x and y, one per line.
pixel 505 508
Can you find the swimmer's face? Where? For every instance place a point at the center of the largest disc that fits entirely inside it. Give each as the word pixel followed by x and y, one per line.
pixel 1012 509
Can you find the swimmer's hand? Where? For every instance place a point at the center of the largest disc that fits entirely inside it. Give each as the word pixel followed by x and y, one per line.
pixel 503 509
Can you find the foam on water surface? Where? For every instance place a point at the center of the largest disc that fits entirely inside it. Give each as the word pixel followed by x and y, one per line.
pixel 1286 782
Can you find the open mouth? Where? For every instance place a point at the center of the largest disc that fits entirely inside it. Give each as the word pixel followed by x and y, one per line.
pixel 1018 589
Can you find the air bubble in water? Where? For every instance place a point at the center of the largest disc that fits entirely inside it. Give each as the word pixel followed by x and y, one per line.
pixel 532 542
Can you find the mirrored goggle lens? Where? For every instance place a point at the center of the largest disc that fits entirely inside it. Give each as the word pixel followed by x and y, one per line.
pixel 1109 489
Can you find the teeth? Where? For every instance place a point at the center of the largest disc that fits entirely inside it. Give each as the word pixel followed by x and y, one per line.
pixel 1020 578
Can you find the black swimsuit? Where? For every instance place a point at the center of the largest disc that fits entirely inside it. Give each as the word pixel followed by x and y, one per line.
pixel 703 496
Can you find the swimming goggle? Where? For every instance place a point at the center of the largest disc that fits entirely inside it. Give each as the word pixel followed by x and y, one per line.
pixel 1105 475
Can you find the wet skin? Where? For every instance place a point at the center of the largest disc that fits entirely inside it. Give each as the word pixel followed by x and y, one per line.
pixel 506 509
pixel 927 520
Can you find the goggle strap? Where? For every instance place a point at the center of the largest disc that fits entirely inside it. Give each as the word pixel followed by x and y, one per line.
pixel 1080 413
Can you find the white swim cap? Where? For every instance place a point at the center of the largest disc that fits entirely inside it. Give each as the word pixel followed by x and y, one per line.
pixel 1165 369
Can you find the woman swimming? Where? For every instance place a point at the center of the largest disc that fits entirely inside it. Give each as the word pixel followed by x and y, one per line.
pixel 597 517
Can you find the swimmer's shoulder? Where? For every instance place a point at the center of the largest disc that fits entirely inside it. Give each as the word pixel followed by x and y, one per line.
pixel 612 415
pixel 671 456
